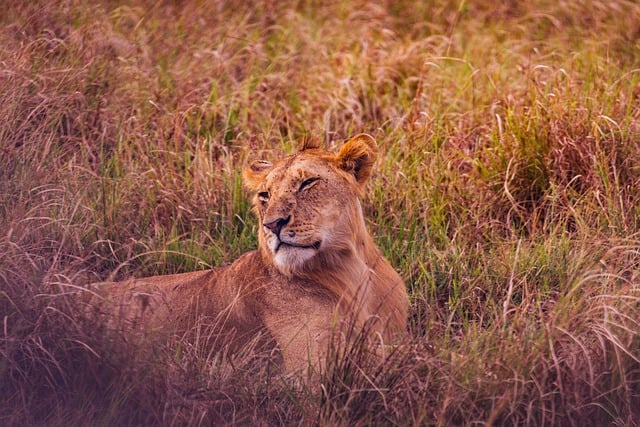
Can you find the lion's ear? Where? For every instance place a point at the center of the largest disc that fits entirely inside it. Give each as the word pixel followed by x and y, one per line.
pixel 357 156
pixel 255 173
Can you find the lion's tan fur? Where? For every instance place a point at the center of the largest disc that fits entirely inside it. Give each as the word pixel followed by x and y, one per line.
pixel 317 270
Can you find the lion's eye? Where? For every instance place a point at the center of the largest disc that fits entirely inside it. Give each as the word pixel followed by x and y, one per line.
pixel 263 196
pixel 307 183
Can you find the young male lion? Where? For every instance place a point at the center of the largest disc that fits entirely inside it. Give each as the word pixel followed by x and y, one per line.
pixel 316 272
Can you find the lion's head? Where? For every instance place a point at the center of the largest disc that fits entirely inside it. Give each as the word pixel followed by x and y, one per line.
pixel 307 205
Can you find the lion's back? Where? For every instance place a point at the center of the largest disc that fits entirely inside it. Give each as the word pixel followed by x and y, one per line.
pixel 147 303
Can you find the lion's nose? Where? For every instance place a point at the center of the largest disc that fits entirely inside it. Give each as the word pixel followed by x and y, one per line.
pixel 276 225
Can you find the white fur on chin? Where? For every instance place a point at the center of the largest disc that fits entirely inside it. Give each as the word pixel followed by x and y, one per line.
pixel 289 259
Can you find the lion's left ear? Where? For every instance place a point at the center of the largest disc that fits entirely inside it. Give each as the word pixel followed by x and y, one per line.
pixel 255 174
pixel 357 156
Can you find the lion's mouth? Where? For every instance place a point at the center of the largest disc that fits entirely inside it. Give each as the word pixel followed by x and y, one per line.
pixel 314 246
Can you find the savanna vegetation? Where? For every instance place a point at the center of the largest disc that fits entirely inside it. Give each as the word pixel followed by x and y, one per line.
pixel 507 195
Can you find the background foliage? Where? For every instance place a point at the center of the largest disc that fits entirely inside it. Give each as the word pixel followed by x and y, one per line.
pixel 506 194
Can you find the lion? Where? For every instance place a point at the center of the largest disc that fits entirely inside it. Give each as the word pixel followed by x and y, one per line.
pixel 316 272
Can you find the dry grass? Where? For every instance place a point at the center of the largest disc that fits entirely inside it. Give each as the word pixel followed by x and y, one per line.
pixel 507 195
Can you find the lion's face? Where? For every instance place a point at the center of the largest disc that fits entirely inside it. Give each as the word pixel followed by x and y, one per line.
pixel 307 204
pixel 302 206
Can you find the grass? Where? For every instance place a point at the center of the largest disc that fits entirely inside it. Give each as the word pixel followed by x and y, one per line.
pixel 506 195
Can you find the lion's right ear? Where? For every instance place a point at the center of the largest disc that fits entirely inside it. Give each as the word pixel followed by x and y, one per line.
pixel 357 156
pixel 256 172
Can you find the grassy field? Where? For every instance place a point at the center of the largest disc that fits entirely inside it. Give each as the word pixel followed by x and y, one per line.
pixel 507 195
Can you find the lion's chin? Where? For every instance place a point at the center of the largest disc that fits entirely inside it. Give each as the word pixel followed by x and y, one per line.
pixel 290 258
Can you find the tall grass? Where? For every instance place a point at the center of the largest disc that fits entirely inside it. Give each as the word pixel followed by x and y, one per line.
pixel 507 195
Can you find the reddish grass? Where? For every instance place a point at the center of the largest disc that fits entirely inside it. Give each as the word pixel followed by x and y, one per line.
pixel 506 195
